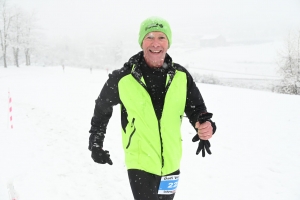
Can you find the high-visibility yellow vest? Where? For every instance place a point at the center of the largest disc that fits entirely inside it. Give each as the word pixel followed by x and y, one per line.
pixel 151 145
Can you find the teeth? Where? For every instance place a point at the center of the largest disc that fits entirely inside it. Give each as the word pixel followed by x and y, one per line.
pixel 155 51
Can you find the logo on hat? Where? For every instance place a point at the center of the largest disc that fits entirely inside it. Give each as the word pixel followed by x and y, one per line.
pixel 153 25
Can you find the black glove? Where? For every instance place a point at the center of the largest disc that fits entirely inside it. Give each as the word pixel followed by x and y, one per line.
pixel 101 156
pixel 203 145
pixel 95 145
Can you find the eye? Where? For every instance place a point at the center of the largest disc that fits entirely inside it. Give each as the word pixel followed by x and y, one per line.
pixel 150 37
pixel 162 37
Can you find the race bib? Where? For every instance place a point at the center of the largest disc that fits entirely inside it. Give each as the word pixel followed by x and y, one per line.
pixel 168 184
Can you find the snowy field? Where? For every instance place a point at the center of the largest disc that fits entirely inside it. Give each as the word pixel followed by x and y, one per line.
pixel 256 151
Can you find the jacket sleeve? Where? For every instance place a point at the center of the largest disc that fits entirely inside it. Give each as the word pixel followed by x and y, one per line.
pixel 194 103
pixel 109 97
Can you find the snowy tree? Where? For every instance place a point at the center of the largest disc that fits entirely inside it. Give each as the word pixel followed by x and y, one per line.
pixel 16 34
pixel 290 66
pixel 17 31
pixel 5 18
pixel 29 36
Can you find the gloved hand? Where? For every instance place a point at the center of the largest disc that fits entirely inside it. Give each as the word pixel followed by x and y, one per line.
pixel 96 146
pixel 101 156
pixel 203 145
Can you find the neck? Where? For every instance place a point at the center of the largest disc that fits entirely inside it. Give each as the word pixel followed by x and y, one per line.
pixel 154 64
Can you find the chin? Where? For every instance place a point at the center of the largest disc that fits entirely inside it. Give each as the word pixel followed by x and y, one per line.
pixel 157 64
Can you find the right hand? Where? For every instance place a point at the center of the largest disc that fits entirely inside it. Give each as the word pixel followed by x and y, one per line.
pixel 101 156
pixel 96 146
pixel 205 130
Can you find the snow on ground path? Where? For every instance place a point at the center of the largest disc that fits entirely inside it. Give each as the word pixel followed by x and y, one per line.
pixel 255 150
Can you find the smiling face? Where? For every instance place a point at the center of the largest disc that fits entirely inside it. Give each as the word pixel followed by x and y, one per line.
pixel 155 46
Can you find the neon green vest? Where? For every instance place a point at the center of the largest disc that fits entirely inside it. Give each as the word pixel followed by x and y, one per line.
pixel 150 145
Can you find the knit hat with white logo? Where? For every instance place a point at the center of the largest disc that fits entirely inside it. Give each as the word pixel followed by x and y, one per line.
pixel 155 24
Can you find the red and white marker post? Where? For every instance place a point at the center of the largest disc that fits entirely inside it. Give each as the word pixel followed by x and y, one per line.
pixel 10 122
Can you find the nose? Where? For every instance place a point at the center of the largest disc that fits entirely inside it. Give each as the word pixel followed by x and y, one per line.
pixel 155 42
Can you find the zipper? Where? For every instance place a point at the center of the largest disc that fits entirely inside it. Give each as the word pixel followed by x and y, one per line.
pixel 161 144
pixel 170 76
pixel 129 141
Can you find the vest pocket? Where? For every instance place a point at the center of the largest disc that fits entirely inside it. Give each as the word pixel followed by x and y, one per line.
pixel 131 134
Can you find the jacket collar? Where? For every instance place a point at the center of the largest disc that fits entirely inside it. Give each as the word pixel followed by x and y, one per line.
pixel 138 60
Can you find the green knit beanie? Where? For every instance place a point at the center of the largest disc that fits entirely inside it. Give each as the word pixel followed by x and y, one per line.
pixel 155 24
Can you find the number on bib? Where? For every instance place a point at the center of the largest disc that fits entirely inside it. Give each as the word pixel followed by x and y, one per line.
pixel 168 184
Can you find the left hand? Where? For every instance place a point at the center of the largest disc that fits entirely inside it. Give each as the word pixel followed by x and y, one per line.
pixel 205 130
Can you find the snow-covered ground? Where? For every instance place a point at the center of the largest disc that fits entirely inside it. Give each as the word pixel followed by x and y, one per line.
pixel 256 152
pixel 232 61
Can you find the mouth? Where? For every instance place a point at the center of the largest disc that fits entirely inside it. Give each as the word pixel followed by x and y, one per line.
pixel 155 51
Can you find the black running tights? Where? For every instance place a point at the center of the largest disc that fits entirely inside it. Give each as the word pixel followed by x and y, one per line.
pixel 145 185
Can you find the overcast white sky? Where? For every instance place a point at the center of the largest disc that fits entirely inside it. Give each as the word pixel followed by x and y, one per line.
pixel 232 18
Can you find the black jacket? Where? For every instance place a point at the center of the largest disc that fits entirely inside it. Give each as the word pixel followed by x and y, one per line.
pixel 155 85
